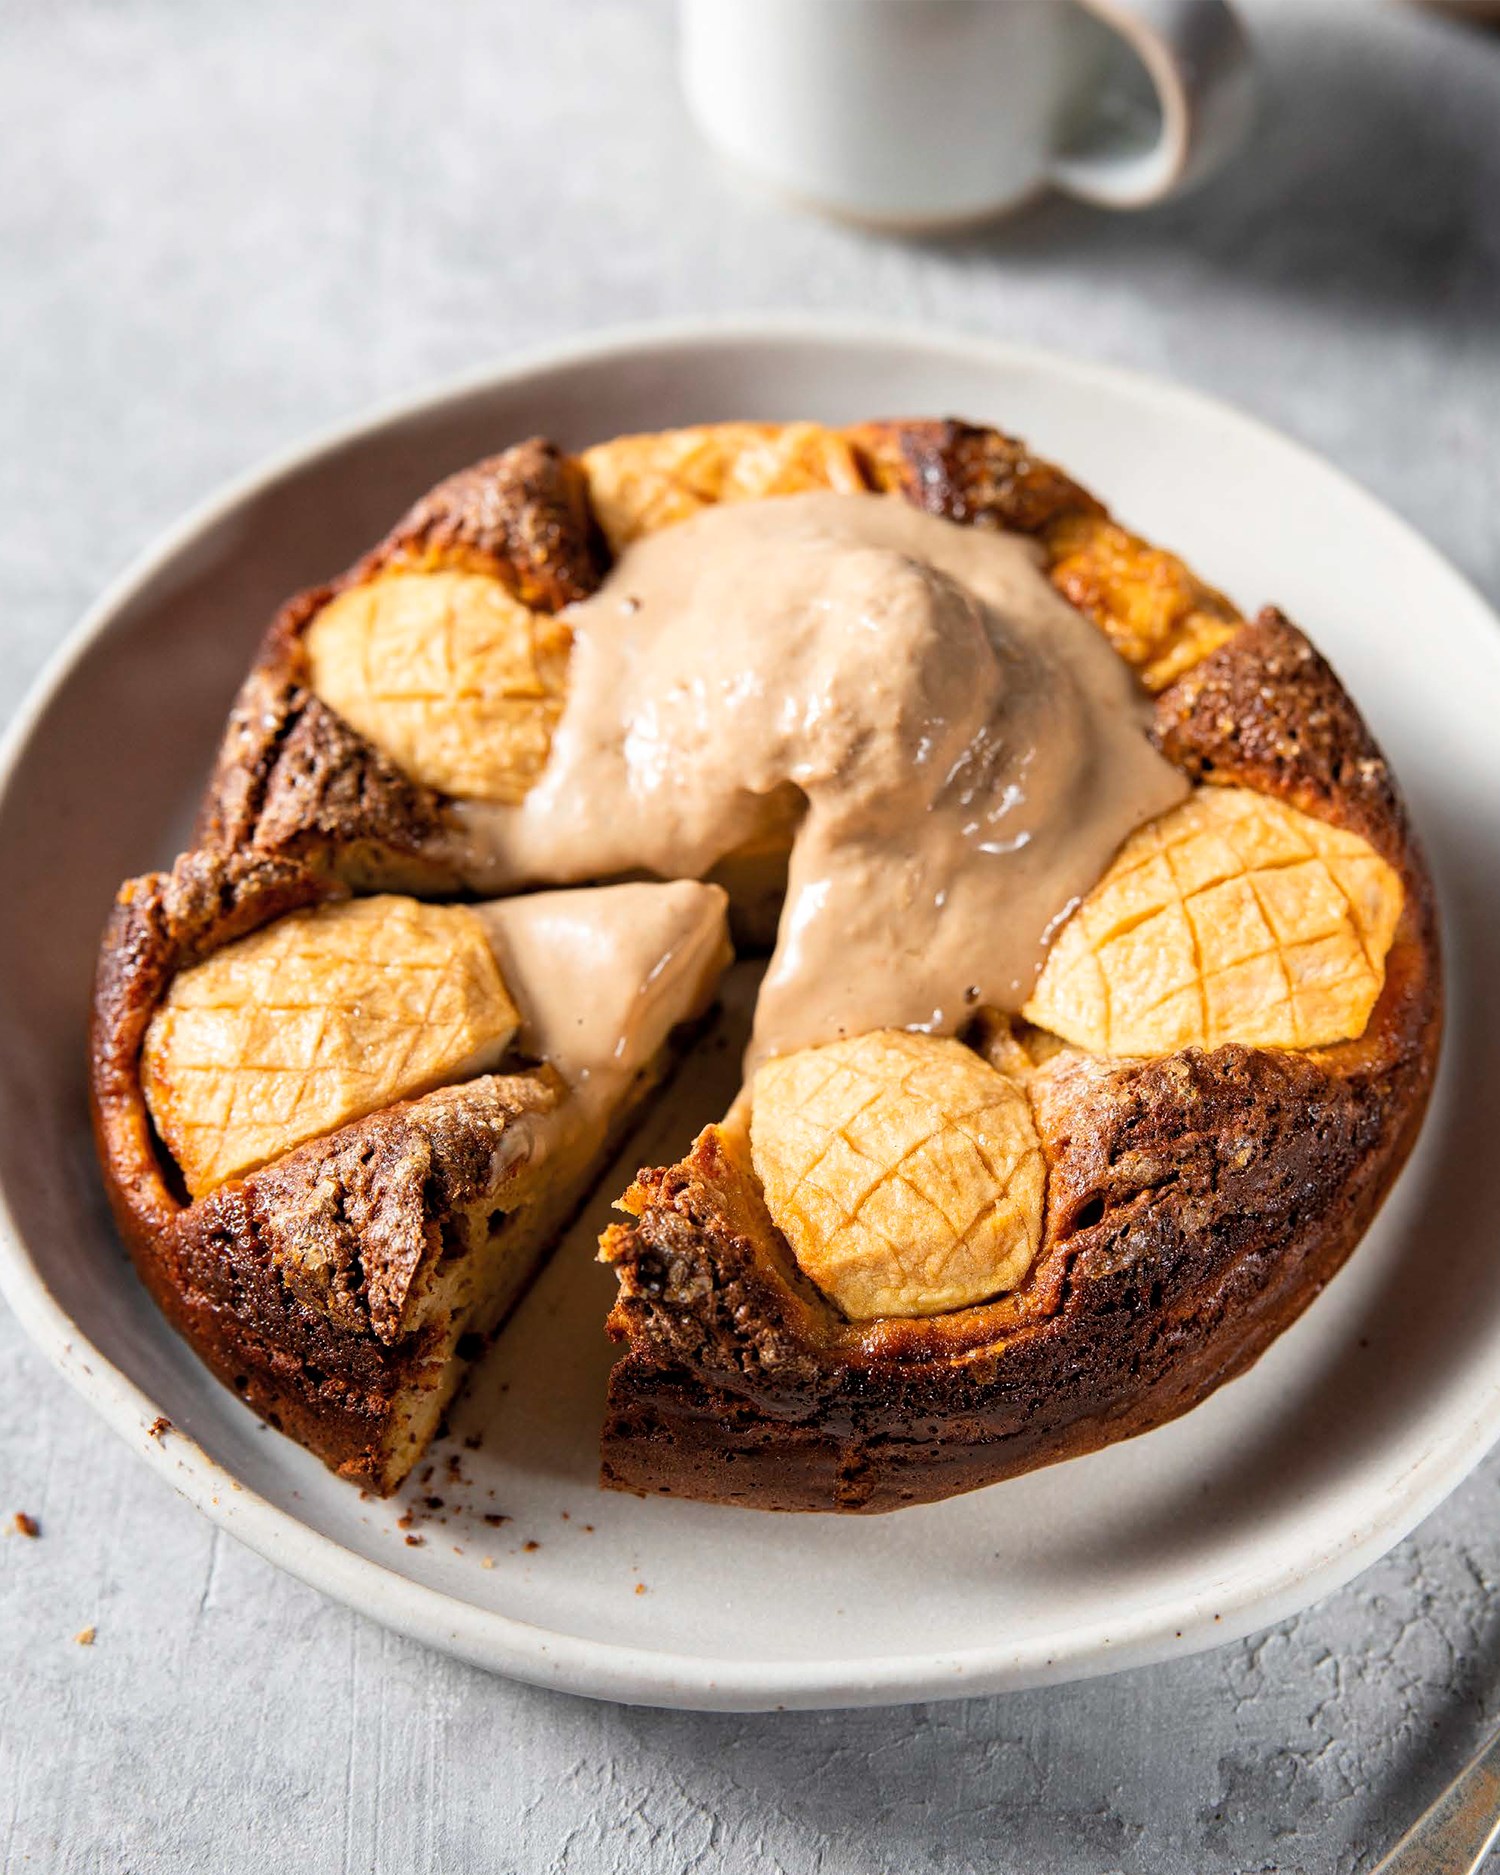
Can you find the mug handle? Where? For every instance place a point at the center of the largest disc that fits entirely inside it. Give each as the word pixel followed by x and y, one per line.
pixel 1199 61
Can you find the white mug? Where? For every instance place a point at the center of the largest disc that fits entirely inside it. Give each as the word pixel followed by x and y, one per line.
pixel 920 113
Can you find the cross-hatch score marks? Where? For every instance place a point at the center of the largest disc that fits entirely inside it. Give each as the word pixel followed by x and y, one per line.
pixel 319 1019
pixel 1231 919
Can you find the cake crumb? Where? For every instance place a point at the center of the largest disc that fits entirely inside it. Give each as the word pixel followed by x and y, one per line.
pixel 405 1520
pixel 24 1524
pixel 415 1542
pixel 486 1562
pixel 495 1518
pixel 589 1528
pixel 474 1441
pixel 159 1428
pixel 85 1636
pixel 640 1588
pixel 530 1544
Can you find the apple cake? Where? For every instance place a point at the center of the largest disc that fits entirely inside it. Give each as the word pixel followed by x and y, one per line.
pixel 1100 1010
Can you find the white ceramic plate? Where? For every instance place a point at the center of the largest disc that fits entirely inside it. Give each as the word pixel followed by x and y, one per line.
pixel 1356 1423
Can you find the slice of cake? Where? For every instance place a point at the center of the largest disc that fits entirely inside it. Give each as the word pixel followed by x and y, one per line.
pixel 358 1126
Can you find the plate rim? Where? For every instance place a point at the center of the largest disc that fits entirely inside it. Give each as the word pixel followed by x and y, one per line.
pixel 606 1669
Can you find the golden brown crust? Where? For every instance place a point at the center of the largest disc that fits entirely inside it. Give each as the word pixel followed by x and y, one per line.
pixel 293 779
pixel 960 472
pixel 523 517
pixel 1268 713
pixel 641 484
pixel 161 924
pixel 1196 1204
pixel 295 1283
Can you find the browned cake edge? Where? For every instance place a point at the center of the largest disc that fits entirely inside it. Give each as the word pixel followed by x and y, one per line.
pixel 1196 1205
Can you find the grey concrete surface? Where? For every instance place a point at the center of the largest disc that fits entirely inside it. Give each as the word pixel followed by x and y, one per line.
pixel 223 226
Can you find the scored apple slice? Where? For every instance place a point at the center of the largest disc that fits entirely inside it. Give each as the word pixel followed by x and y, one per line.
pixel 904 1171
pixel 1233 918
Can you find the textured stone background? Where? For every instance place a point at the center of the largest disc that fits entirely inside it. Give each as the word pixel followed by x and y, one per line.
pixel 223 226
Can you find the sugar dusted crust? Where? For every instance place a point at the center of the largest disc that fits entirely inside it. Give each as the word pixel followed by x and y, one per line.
pixel 1195 1203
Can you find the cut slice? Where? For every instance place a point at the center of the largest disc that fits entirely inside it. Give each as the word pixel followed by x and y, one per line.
pixel 603 974
pixel 363 1263
pixel 1234 918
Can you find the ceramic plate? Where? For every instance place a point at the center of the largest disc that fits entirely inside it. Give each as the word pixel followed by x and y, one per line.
pixel 1350 1429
